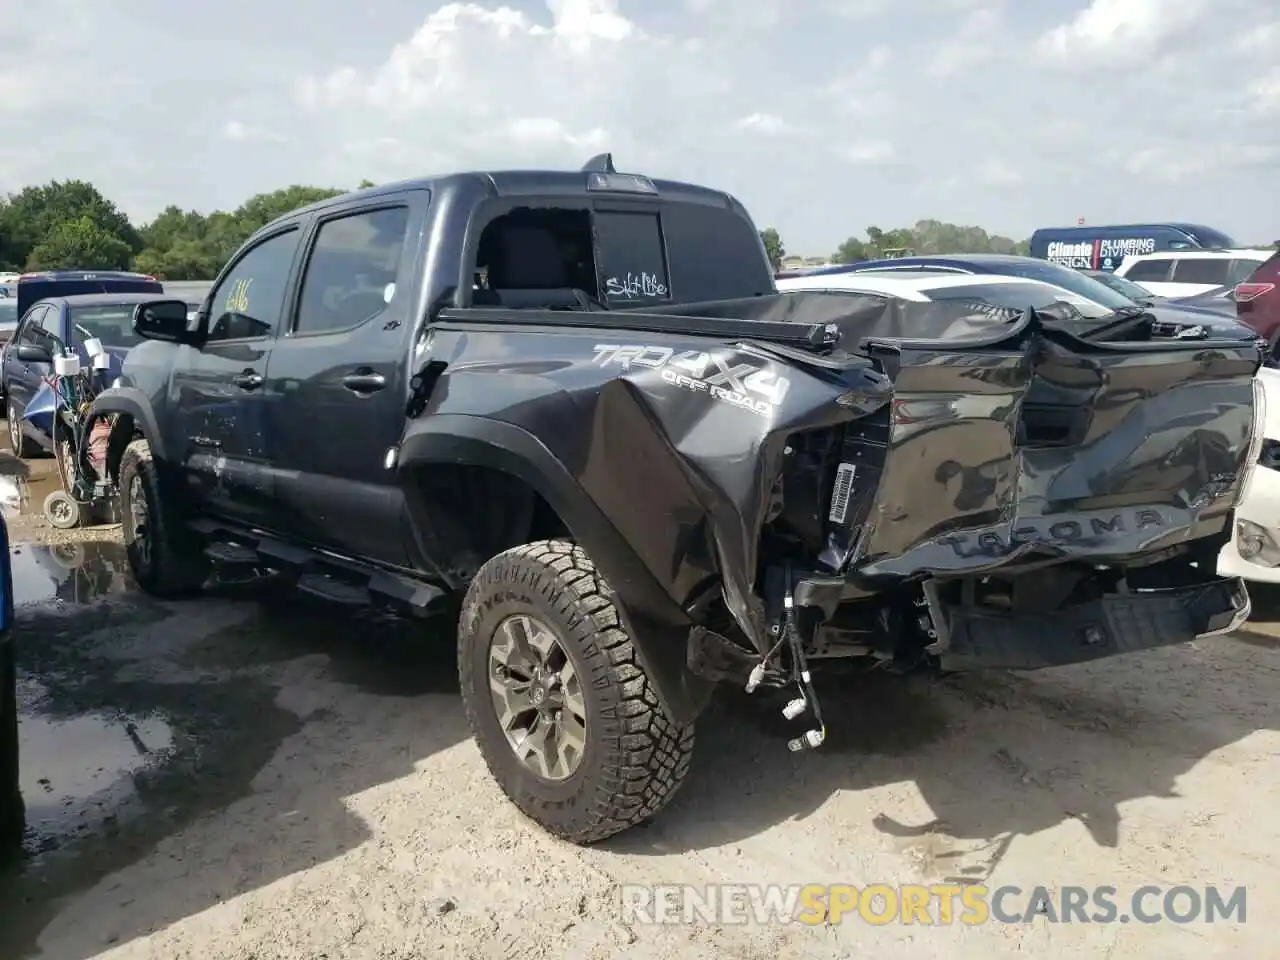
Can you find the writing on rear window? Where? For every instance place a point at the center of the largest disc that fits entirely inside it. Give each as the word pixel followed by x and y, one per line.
pixel 632 286
pixel 633 257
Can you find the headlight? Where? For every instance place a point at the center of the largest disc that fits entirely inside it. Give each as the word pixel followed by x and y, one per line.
pixel 1256 437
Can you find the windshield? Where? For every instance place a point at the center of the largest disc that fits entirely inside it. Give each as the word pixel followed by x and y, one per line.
pixel 1018 296
pixel 1072 280
pixel 8 311
pixel 113 325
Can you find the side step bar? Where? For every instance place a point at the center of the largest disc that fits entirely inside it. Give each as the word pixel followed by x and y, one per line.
pixel 324 575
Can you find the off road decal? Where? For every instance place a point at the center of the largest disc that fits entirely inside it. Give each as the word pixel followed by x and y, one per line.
pixel 749 385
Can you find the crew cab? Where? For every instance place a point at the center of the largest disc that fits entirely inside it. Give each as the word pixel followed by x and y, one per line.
pixel 571 413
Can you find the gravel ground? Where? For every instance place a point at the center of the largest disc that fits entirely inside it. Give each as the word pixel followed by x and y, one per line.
pixel 260 777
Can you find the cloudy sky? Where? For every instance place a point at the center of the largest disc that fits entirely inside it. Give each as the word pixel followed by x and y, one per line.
pixel 823 116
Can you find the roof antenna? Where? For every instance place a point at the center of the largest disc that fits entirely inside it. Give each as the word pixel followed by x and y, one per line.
pixel 600 163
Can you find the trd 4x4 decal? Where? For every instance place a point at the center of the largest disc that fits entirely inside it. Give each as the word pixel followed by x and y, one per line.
pixel 751 386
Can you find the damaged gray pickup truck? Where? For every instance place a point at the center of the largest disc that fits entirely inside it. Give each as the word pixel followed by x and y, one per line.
pixel 571 412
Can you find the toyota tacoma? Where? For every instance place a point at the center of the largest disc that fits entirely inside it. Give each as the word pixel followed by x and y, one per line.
pixel 570 412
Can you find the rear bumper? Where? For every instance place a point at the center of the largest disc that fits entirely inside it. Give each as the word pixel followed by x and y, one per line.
pixel 1115 624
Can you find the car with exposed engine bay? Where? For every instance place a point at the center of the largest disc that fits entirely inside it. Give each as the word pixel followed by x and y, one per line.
pixel 571 414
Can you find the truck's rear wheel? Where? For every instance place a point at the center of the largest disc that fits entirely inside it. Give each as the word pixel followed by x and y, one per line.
pixel 164 559
pixel 11 807
pixel 564 715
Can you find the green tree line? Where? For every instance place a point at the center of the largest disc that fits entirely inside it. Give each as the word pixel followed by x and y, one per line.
pixel 926 237
pixel 69 224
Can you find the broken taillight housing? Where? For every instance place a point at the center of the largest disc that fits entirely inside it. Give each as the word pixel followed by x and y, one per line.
pixel 1245 292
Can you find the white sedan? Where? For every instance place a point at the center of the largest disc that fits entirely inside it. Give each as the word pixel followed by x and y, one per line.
pixel 1254 551
pixel 1016 293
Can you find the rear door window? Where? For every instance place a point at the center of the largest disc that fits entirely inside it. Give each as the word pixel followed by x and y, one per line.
pixel 351 274
pixel 1202 270
pixel 1150 271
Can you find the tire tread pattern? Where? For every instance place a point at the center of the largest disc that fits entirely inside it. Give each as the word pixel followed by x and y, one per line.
pixel 639 770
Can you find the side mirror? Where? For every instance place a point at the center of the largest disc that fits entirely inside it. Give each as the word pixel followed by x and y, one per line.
pixel 163 320
pixel 30 353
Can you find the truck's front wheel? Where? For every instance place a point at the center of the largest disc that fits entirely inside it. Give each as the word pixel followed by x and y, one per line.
pixel 564 715
pixel 164 559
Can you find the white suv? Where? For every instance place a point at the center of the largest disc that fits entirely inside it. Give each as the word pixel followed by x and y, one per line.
pixel 1185 273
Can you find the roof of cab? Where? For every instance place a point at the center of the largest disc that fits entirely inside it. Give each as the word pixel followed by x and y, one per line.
pixel 515 183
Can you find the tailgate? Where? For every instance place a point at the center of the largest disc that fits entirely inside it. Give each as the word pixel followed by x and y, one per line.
pixel 1052 447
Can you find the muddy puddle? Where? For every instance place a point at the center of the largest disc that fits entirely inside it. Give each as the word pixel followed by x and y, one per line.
pixel 74 573
pixel 118 749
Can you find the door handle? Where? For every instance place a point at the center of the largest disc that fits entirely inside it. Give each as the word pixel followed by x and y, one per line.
pixel 248 380
pixel 364 380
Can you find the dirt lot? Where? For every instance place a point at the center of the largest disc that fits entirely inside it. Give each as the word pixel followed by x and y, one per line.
pixel 232 778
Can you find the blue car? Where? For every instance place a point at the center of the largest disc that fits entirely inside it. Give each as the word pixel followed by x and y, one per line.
pixel 1170 317
pixel 54 325
pixel 11 808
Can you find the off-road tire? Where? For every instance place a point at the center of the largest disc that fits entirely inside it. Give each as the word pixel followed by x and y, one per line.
pixel 635 757
pixel 12 813
pixel 176 565
pixel 24 448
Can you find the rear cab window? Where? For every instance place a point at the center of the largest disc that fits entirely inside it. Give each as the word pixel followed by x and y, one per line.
pixel 621 252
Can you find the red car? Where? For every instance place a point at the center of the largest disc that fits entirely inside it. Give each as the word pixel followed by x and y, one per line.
pixel 1258 301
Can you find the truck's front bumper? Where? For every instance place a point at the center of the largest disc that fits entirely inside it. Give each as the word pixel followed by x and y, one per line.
pixel 1114 624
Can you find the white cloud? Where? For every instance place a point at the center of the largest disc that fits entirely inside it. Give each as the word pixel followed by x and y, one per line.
pixel 767 124
pixel 248 133
pixel 998 171
pixel 821 115
pixel 868 151
pixel 1132 27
